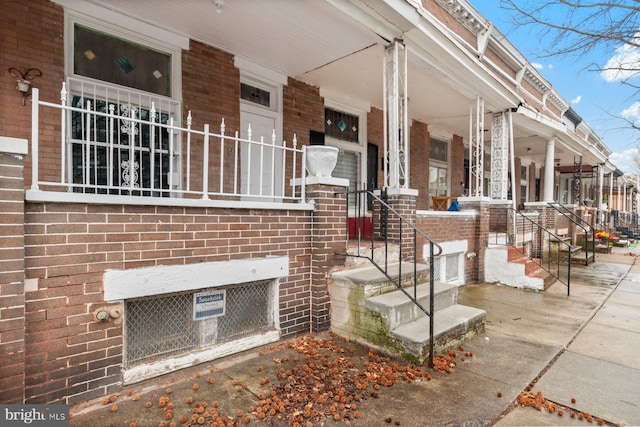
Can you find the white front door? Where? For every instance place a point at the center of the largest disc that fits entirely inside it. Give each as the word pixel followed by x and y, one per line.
pixel 261 163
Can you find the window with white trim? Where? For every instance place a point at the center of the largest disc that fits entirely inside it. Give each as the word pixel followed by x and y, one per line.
pixel 343 130
pixel 125 93
pixel 438 167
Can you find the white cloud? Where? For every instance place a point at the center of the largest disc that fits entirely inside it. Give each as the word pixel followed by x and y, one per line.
pixel 632 113
pixel 624 64
pixel 550 66
pixel 576 100
pixel 625 161
pixel 537 65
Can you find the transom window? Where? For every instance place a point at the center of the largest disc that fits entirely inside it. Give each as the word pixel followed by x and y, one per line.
pixel 111 59
pixel 341 125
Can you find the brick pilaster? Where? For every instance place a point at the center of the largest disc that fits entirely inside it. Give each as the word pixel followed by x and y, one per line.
pixel 329 242
pixel 405 205
pixel 483 221
pixel 12 301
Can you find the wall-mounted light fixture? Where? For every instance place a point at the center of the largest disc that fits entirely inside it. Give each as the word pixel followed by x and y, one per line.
pixel 218 4
pixel 24 80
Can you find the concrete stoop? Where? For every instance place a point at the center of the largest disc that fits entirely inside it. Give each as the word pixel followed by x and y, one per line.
pixel 367 308
pixel 507 266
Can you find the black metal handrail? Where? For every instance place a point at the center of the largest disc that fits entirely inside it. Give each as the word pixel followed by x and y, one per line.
pixel 628 224
pixel 383 219
pixel 530 238
pixel 579 222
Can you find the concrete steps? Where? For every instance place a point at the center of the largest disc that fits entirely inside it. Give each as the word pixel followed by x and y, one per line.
pixel 508 266
pixel 367 308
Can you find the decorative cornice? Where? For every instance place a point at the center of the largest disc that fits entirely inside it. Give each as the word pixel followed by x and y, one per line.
pixel 465 15
pixel 544 88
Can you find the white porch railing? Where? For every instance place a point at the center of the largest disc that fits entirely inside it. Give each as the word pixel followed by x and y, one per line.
pixel 124 147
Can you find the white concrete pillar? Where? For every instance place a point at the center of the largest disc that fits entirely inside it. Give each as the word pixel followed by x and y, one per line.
pixel 549 172
pixel 619 199
pixel 610 191
pixel 601 182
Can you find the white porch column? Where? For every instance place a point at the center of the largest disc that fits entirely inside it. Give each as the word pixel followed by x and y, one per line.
pixel 549 172
pixel 499 158
pixel 396 118
pixel 624 198
pixel 601 182
pixel 618 200
pixel 476 148
pixel 610 204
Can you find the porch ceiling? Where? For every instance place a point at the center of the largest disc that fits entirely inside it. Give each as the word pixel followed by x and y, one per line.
pixel 290 37
pixel 316 42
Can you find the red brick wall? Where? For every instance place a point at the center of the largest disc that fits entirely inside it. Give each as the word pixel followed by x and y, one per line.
pixel 532 182
pixel 443 228
pixel 518 179
pixel 69 246
pixel 405 206
pixel 303 111
pixel 11 279
pixel 211 91
pixel 328 246
pixel 31 37
pixel 419 168
pixel 456 166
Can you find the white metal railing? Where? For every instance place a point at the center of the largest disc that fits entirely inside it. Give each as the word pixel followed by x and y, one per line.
pixel 119 143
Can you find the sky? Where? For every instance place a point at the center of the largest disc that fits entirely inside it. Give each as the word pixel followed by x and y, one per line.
pixel 596 97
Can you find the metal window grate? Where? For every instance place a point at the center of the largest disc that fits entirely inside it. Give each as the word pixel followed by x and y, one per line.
pixel 163 326
pixel 452 262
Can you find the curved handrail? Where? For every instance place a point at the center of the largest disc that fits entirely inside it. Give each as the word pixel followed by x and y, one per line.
pixel 564 211
pixel 549 237
pixel 385 210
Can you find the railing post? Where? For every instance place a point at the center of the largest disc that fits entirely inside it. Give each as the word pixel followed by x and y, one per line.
pixel 431 302
pixel 188 154
pixel 205 163
pixel 112 109
pixel 152 146
pixel 63 133
pixel 35 98
pixel 303 185
pixel 222 140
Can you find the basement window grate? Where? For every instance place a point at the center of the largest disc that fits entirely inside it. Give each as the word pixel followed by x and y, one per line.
pixel 162 326
pixel 452 264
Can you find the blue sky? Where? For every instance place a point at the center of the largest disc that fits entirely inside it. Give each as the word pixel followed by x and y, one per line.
pixel 597 98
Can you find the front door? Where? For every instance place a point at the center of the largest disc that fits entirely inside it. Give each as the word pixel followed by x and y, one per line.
pixel 261 162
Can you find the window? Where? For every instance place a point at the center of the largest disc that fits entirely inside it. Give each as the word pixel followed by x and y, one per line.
pixel 438 168
pixel 341 125
pixel 120 144
pixel 524 184
pixel 111 59
pixel 117 155
pixel 348 166
pixel 438 150
pixel 255 94
pixel 342 130
pixel 163 326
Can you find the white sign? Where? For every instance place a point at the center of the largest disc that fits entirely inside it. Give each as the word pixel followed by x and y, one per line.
pixel 209 304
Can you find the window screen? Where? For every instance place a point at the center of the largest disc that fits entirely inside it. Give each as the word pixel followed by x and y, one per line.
pixel 348 166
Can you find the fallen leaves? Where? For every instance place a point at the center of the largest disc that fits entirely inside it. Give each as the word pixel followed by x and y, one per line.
pixel 318 383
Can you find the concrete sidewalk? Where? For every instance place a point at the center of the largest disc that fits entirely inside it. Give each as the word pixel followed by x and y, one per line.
pixel 595 343
pixel 581 352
